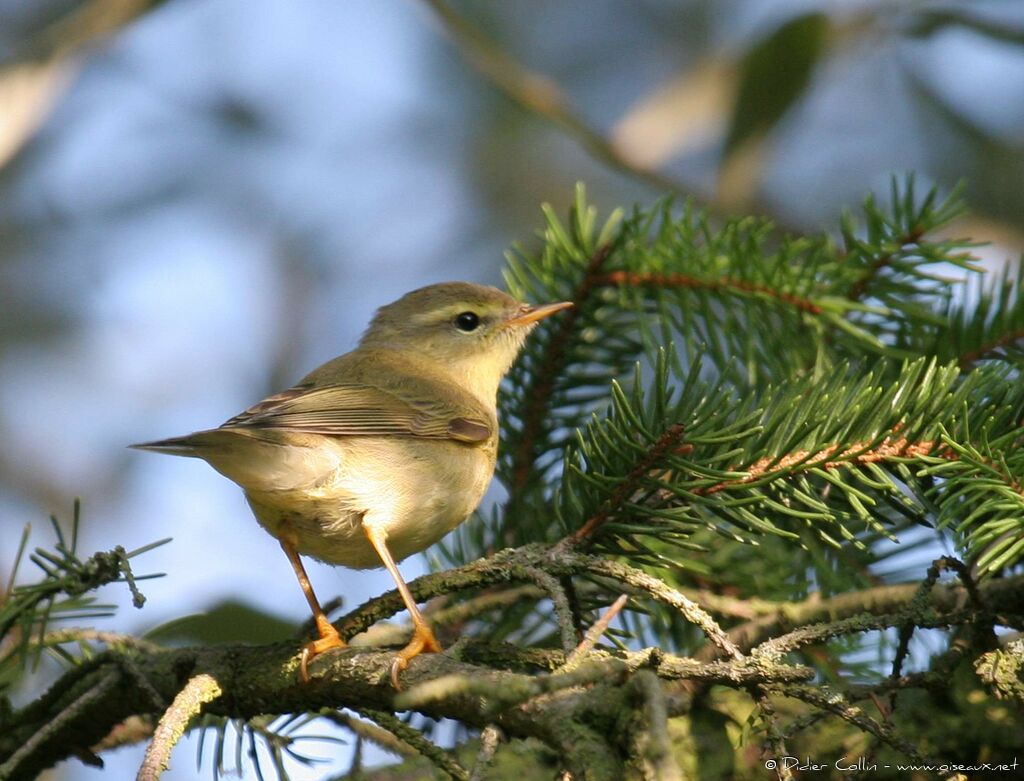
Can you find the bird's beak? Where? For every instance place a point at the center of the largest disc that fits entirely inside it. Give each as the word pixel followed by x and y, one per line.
pixel 530 314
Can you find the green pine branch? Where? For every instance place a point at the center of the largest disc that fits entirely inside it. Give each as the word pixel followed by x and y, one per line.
pixel 771 368
pixel 62 592
pixel 888 254
pixel 986 324
pixel 839 459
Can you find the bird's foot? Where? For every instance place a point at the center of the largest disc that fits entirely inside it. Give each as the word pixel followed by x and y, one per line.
pixel 423 641
pixel 329 639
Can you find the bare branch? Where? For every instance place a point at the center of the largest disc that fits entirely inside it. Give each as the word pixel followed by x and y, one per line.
pixel 560 601
pixel 655 743
pixel 489 739
pixel 600 626
pixel 199 690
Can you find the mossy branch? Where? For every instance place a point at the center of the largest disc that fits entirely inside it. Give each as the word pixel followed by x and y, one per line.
pixel 517 689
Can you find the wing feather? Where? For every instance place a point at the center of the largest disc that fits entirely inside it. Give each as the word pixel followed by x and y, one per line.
pixel 344 410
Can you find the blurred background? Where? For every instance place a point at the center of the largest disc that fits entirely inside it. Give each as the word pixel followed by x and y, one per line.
pixel 201 200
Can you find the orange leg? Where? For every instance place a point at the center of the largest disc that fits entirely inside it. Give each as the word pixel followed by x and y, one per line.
pixel 329 637
pixel 423 640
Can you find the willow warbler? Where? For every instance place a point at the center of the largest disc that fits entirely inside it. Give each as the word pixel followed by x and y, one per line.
pixel 380 452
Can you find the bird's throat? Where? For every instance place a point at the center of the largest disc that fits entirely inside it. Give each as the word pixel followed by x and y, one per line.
pixel 480 375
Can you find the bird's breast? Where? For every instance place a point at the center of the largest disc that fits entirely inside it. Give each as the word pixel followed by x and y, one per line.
pixel 417 490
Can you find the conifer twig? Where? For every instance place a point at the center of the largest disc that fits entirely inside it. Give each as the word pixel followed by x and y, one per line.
pixel 550 368
pixel 777 647
pixel 58 723
pixel 835 703
pixel 85 635
pixel 490 736
pixel 724 284
pixel 444 760
pixel 921 598
pixel 133 730
pixel 693 612
pixel 374 733
pixel 188 704
pixel 439 689
pixel 880 601
pixel 449 616
pixel 964 573
pixel 577 654
pixel 859 288
pixel 665 444
pixel 560 601
pixel 656 743
pixel 832 457
pixel 775 741
pixel 968 359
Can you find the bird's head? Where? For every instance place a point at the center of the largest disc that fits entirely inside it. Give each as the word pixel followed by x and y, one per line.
pixel 475 331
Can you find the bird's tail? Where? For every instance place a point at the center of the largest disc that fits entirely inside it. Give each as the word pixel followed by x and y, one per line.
pixel 258 460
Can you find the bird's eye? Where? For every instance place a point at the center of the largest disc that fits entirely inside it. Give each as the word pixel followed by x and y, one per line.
pixel 467 321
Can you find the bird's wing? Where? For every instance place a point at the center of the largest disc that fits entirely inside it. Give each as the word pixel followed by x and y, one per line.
pixel 342 410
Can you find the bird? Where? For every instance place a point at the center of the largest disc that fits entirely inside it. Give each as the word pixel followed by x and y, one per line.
pixel 380 452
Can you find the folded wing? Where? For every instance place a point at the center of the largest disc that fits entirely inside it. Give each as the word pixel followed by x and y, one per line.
pixel 345 410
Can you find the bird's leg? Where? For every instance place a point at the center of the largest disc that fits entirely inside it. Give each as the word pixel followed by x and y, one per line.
pixel 423 639
pixel 329 637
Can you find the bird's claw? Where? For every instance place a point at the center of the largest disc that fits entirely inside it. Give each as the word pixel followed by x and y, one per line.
pixel 328 640
pixel 397 667
pixel 423 641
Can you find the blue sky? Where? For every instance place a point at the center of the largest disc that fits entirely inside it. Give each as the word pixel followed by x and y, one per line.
pixel 227 191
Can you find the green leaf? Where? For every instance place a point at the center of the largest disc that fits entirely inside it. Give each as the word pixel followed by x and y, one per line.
pixel 229 621
pixel 775 74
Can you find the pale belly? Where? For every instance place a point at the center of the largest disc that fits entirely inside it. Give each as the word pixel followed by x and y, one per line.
pixel 415 490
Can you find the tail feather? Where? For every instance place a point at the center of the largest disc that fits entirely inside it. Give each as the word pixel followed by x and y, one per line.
pixel 256 459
